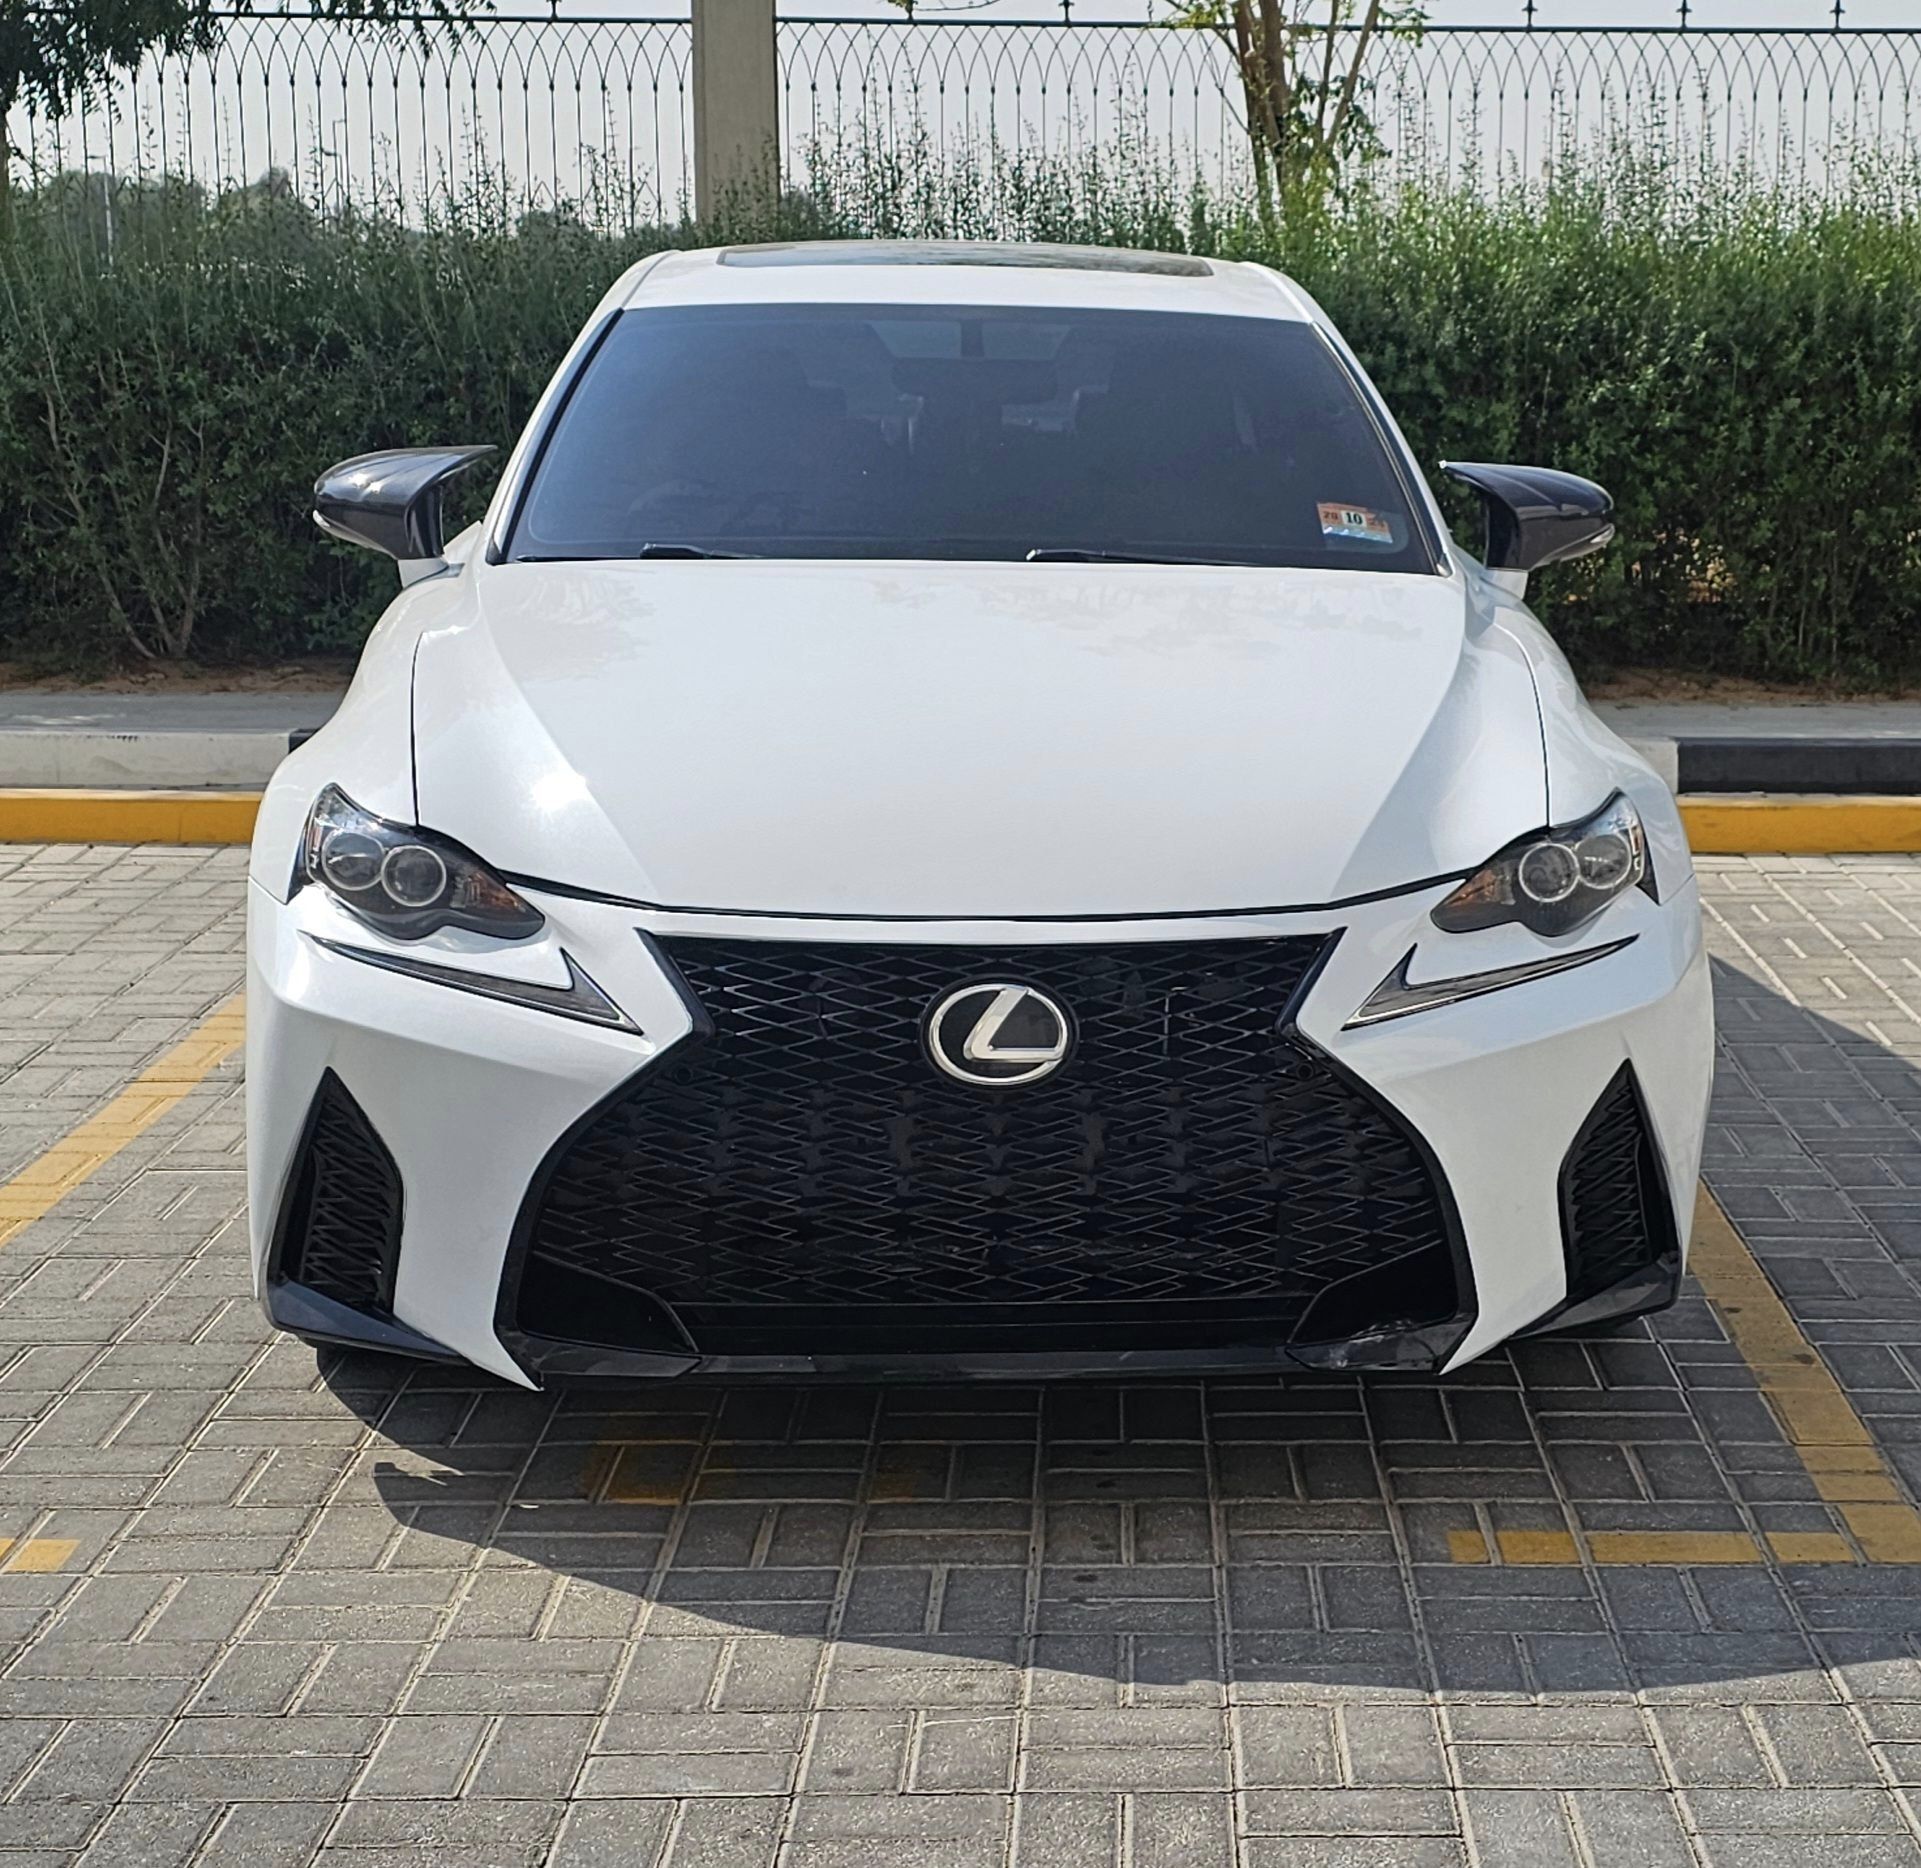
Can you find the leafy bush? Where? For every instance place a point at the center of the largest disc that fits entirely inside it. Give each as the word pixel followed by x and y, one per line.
pixel 172 380
pixel 1741 366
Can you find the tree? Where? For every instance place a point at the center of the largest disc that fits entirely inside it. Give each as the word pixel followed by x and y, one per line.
pixel 54 58
pixel 1302 71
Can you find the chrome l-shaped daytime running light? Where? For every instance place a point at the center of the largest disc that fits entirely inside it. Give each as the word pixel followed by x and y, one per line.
pixel 580 998
pixel 1399 997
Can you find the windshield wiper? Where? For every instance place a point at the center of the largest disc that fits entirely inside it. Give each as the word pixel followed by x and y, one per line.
pixel 618 557
pixel 1074 554
pixel 689 551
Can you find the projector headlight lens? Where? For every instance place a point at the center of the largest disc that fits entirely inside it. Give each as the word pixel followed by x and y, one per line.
pixel 405 882
pixel 1555 880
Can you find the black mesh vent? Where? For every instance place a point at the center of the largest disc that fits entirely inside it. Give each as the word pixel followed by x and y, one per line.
pixel 1615 1215
pixel 340 1235
pixel 804 1180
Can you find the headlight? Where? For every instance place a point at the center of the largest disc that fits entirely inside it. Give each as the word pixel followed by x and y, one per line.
pixel 1556 879
pixel 403 881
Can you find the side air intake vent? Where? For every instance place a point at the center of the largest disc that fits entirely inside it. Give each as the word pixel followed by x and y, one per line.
pixel 1616 1219
pixel 340 1233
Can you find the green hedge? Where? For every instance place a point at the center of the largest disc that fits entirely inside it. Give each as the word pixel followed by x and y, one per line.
pixel 1742 368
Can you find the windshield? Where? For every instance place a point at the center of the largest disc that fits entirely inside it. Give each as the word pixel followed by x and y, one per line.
pixel 907 431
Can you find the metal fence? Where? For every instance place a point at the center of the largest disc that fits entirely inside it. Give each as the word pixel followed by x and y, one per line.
pixel 549 110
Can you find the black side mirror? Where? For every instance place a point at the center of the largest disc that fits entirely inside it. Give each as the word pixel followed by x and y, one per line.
pixel 391 502
pixel 1536 516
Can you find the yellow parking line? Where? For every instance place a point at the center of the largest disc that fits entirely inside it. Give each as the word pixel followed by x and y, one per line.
pixel 1811 1547
pixel 38 1556
pixel 47 1179
pixel 636 1473
pixel 1829 1438
pixel 1637 1549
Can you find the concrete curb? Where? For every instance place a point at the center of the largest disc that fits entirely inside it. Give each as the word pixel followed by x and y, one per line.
pixel 33 759
pixel 1831 767
pixel 1750 826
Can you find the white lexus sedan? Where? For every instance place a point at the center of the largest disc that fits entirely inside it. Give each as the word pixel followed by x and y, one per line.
pixel 962 812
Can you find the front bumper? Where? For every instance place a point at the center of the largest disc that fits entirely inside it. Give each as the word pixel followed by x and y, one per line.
pixel 471 1101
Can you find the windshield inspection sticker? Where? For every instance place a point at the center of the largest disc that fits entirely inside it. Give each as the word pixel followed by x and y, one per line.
pixel 1338 521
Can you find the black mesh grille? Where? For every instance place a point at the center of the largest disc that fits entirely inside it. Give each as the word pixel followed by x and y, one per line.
pixel 1615 1215
pixel 341 1232
pixel 803 1179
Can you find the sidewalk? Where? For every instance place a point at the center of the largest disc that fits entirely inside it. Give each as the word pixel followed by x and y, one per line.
pixel 215 741
pixel 114 741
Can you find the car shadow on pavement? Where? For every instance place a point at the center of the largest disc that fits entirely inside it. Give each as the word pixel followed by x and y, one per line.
pixel 1372 1537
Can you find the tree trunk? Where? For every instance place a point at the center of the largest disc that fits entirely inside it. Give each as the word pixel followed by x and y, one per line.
pixel 6 167
pixel 1263 126
pixel 1352 83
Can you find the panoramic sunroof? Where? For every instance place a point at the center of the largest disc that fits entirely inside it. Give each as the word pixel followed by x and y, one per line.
pixel 965 253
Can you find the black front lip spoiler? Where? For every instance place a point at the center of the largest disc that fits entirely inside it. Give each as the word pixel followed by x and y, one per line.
pixel 316 1319
pixel 305 1313
pixel 1653 1287
pixel 1409 1351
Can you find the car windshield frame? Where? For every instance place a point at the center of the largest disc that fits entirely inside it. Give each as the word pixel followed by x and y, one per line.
pixel 1423 552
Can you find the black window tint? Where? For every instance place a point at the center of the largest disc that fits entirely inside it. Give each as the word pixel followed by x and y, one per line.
pixel 969 432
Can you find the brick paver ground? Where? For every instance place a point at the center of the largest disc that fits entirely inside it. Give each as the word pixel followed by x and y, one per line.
pixel 259 1612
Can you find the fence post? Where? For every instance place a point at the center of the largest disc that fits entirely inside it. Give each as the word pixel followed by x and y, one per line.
pixel 736 102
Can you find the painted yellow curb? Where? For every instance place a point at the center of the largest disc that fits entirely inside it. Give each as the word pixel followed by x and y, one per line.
pixel 1787 826
pixel 127 816
pixel 1782 825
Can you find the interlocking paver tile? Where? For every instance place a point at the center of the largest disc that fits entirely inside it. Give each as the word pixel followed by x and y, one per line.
pixel 263 1608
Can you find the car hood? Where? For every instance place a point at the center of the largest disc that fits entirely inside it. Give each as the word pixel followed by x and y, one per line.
pixel 972 740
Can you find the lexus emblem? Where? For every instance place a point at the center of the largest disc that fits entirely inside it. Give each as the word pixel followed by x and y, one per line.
pixel 998 1035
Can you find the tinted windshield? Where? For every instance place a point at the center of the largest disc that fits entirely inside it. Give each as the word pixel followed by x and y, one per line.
pixel 895 431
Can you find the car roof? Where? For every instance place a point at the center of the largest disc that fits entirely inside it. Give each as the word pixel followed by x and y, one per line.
pixel 964 272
